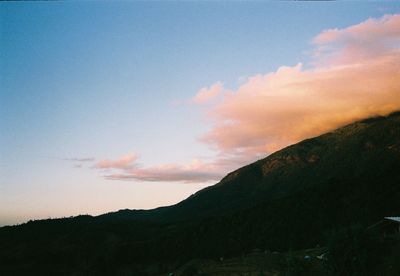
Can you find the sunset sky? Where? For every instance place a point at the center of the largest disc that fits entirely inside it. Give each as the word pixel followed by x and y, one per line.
pixel 114 105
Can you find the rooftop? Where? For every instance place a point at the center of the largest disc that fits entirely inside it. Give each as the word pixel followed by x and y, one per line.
pixel 396 219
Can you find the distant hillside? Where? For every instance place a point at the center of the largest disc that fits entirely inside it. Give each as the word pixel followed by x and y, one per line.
pixel 292 199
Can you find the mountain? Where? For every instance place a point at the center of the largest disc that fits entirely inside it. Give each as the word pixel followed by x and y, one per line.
pixel 292 199
pixel 363 152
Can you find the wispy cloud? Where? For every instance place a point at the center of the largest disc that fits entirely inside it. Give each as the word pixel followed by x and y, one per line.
pixel 355 74
pixel 77 159
pixel 78 162
pixel 72 159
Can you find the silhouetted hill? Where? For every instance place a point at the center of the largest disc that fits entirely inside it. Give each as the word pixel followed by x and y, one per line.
pixel 364 149
pixel 292 199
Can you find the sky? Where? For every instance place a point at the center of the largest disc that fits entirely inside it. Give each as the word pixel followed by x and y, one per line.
pixel 114 105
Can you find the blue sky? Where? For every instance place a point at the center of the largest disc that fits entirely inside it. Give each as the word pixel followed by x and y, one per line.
pixel 104 79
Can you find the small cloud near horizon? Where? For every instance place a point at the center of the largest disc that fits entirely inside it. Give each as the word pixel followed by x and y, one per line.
pixel 127 168
pixel 85 159
pixel 125 162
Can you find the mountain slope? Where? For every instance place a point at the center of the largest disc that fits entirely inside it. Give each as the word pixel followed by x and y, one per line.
pixel 290 200
pixel 366 149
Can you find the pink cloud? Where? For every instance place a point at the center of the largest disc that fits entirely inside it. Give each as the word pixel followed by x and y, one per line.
pixel 273 110
pixel 206 94
pixel 124 162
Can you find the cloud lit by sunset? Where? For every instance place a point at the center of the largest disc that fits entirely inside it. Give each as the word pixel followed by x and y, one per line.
pixel 356 75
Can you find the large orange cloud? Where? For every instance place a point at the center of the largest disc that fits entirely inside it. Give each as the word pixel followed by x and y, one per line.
pixel 355 74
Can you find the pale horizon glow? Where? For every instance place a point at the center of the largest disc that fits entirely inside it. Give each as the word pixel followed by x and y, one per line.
pixel 107 106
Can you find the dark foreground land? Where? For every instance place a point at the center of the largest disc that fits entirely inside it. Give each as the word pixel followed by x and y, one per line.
pixel 272 217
